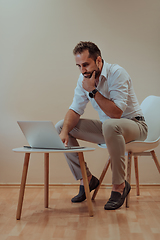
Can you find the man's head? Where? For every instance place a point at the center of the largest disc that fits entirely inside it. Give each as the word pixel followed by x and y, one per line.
pixel 92 48
pixel 88 58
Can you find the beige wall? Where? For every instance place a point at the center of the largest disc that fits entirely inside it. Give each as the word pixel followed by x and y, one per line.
pixel 38 73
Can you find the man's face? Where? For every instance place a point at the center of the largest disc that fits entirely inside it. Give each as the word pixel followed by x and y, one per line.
pixel 86 64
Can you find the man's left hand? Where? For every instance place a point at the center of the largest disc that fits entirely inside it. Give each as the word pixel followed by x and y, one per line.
pixel 89 83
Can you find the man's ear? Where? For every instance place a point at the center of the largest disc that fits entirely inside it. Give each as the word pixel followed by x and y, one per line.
pixel 98 61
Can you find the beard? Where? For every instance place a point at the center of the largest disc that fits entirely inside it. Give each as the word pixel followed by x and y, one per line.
pixel 89 74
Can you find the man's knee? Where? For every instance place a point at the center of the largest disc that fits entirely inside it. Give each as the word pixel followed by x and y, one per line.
pixel 110 128
pixel 59 126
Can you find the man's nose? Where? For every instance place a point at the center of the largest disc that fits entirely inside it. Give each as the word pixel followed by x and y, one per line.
pixel 83 69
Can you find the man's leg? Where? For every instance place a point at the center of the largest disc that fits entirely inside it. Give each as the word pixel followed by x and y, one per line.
pixel 117 132
pixel 87 130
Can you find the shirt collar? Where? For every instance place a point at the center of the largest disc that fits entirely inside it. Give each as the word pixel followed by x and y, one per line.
pixel 104 71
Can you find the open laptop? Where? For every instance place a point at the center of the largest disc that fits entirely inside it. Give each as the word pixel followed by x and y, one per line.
pixel 42 134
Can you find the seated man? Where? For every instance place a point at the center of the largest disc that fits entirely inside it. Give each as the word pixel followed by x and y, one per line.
pixel 109 89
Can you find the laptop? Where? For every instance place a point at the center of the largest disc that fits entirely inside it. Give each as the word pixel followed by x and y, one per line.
pixel 42 134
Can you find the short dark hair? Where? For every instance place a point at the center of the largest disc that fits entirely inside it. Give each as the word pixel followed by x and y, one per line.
pixel 92 48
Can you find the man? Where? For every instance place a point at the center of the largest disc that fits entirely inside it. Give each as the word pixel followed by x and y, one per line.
pixel 109 89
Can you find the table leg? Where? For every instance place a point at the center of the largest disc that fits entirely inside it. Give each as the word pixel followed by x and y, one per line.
pixel 101 178
pixel 46 179
pixel 85 182
pixel 23 184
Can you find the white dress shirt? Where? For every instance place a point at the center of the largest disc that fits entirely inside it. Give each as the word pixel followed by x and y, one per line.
pixel 114 84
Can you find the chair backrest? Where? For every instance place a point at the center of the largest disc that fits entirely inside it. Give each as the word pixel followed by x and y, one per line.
pixel 151 110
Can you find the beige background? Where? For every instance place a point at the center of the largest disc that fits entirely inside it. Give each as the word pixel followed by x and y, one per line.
pixel 38 73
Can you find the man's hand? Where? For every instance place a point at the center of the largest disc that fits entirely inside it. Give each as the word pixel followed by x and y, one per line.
pixel 70 121
pixel 64 137
pixel 89 83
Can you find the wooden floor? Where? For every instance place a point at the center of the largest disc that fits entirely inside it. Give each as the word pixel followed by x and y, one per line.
pixel 65 220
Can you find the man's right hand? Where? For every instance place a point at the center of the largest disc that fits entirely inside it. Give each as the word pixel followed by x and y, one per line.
pixel 70 121
pixel 64 137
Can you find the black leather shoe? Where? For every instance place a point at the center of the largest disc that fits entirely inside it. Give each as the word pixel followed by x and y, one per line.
pixel 116 200
pixel 81 195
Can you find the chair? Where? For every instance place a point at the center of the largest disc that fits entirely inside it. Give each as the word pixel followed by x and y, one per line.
pixel 151 110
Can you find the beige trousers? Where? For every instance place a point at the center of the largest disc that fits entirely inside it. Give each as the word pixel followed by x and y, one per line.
pixel 114 132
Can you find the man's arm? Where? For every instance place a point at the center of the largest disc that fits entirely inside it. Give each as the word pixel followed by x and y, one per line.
pixel 107 106
pixel 70 121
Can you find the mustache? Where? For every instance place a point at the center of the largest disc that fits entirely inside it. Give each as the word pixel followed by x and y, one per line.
pixel 89 74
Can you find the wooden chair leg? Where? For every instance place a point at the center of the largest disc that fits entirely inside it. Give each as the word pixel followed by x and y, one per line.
pixel 129 175
pixel 136 174
pixel 85 182
pixel 101 178
pixel 155 160
pixel 23 184
pixel 46 179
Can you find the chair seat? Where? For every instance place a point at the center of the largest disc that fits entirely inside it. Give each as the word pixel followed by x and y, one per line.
pixel 142 146
pixel 138 146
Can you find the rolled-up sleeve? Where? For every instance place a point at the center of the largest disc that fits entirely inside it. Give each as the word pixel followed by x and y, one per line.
pixel 80 98
pixel 119 87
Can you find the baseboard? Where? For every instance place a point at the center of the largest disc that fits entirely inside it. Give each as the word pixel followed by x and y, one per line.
pixel 144 185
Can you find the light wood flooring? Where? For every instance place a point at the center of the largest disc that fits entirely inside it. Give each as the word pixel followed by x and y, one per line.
pixel 68 221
